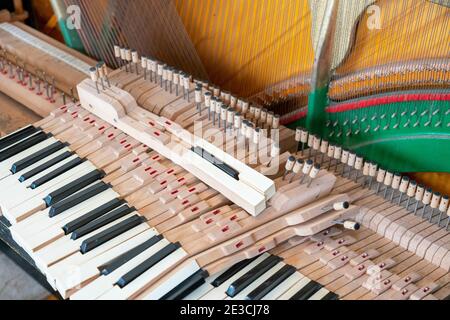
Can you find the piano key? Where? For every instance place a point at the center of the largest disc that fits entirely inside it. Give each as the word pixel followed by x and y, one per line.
pixel 14 179
pixel 61 198
pixel 203 289
pixel 187 286
pixel 231 272
pixel 307 291
pixel 219 292
pixel 110 233
pixel 271 283
pixel 107 282
pixel 15 209
pixel 43 229
pixel 65 247
pixel 281 289
pixel 17 136
pixel 53 174
pixel 147 264
pixel 35 157
pixel 295 288
pixel 246 279
pixel 127 256
pixel 101 221
pixel 218 163
pixel 44 166
pixel 5 165
pixel 319 295
pixel 257 282
pixel 23 145
pixel 91 215
pixel 331 296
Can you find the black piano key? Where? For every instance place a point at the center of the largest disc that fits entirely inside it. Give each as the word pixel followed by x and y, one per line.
pixel 307 291
pixel 23 145
pixel 216 162
pixel 17 136
pixel 127 256
pixel 110 233
pixel 271 283
pixel 37 156
pixel 102 221
pixel 44 166
pixel 187 286
pixel 147 264
pixel 69 189
pixel 231 271
pixel 77 198
pixel 253 274
pixel 330 296
pixel 51 175
pixel 92 215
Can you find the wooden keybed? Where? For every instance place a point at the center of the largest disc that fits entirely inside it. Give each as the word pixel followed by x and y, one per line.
pixel 394 225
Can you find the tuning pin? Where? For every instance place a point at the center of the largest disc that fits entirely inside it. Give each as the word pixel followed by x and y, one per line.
pixel 365 172
pixel 237 122
pixel 410 193
pixel 358 165
pixel 105 73
pixel 316 146
pixel 198 98
pixel 303 139
pixel 420 190
pixel 306 169
pixel 274 152
pixel 251 112
pixel 249 133
pixel 212 107
pixel 395 185
pixel 216 92
pixel 344 160
pixel 128 59
pixel 348 224
pixel 117 55
pixel 434 204
pixel 230 119
pixel 380 178
pixel 135 60
pixel 257 116
pixel 330 154
pixel 269 119
pixel 426 200
pixel 144 66
pixel 123 57
pixel 296 169
pixel 310 142
pixel 387 182
pixel 313 173
pixel 289 166
pixel 373 169
pixel 165 76
pixel 244 110
pixel 159 73
pixel 233 102
pixel 297 137
pixel 263 117
pixel 187 85
pixel 323 149
pixel 207 98
pixel 101 74
pixel 63 95
pixel 223 115
pixel 93 72
pixel 170 80
pixel 403 188
pixel 218 109
pixel 337 156
pixel 443 205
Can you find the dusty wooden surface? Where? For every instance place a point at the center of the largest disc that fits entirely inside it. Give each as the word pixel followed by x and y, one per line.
pixel 13 115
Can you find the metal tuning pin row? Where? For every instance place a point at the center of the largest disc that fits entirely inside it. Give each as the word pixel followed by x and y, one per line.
pixel 99 72
pixel 308 170
pixel 392 186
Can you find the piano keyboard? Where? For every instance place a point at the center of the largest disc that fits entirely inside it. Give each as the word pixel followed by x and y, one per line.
pixel 104 216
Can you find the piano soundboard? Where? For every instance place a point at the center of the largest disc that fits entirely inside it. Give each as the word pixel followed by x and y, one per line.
pixel 152 185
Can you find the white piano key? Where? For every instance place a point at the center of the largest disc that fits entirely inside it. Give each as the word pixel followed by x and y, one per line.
pixel 252 286
pixel 117 293
pixel 319 294
pixel 44 232
pixel 12 180
pixel 5 165
pixel 219 292
pixel 104 283
pixel 64 247
pixel 283 287
pixel 295 288
pixel 59 274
